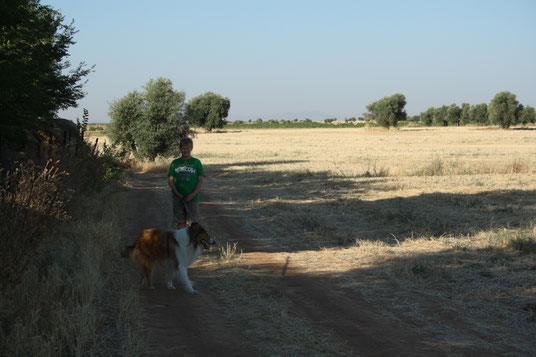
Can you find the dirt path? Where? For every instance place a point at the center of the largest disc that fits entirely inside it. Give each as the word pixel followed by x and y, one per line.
pixel 179 324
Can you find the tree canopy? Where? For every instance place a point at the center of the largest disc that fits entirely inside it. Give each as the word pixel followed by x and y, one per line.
pixel 208 110
pixel 37 80
pixel 528 115
pixel 479 114
pixel 427 117
pixel 124 113
pixel 152 122
pixel 503 109
pixel 453 114
pixel 465 115
pixel 388 111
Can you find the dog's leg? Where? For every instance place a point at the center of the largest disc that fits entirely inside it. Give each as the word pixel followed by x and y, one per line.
pixel 170 285
pixel 143 283
pixel 171 273
pixel 183 275
pixel 148 270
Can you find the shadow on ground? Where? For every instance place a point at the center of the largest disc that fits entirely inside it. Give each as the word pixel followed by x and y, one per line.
pixel 319 210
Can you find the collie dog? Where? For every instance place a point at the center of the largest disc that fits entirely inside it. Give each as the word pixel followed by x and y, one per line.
pixel 177 248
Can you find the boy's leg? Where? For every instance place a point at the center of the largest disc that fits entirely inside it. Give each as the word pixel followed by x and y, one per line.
pixel 178 212
pixel 193 211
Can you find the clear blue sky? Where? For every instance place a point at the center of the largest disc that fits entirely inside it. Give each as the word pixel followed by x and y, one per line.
pixel 285 59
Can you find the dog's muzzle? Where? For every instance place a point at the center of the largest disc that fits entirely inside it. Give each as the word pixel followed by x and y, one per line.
pixel 206 244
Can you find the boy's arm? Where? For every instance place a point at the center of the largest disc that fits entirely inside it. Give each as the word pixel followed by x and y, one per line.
pixel 200 181
pixel 173 188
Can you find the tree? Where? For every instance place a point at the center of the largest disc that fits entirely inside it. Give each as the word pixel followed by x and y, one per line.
pixel 34 45
pixel 453 114
pixel 440 115
pixel 465 115
pixel 124 113
pixel 479 114
pixel 503 109
pixel 388 111
pixel 208 110
pixel 150 123
pixel 427 117
pixel 528 115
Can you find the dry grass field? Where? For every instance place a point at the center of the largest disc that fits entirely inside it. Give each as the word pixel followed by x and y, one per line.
pixel 350 185
pixel 97 137
pixel 436 225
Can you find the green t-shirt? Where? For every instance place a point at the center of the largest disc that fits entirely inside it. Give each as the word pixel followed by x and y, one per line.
pixel 185 175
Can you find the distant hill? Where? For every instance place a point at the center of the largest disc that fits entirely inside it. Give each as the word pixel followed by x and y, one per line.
pixel 313 115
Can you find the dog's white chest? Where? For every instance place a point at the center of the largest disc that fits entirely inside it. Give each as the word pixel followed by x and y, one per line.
pixel 185 250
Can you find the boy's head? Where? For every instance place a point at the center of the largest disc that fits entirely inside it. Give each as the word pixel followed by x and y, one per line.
pixel 186 145
pixel 186 141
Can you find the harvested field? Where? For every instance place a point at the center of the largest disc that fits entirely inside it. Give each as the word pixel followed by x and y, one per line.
pixel 367 241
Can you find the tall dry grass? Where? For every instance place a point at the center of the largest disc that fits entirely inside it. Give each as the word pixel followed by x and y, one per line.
pixel 62 290
pixel 30 200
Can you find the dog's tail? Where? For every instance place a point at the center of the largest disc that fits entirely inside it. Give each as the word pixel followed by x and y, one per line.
pixel 127 251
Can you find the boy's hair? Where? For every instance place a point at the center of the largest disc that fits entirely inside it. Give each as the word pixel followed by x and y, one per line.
pixel 186 141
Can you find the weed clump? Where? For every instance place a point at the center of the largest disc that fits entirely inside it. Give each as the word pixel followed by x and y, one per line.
pixel 30 200
pixel 58 279
pixel 524 244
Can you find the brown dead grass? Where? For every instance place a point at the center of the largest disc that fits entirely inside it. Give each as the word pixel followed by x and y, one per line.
pixel 72 298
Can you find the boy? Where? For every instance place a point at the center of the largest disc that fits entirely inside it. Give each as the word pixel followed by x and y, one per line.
pixel 186 177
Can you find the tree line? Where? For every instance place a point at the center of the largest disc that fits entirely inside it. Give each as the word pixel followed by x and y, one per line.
pixel 504 110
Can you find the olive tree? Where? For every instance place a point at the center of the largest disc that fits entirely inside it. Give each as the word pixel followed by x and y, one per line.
pixel 479 114
pixel 465 115
pixel 208 110
pixel 503 109
pixel 440 115
pixel 453 114
pixel 124 113
pixel 152 122
pixel 427 117
pixel 388 111
pixel 527 115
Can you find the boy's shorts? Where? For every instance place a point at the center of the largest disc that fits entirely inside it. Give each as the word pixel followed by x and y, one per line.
pixel 180 213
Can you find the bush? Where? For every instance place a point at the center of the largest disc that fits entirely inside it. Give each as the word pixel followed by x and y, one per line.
pixel 93 168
